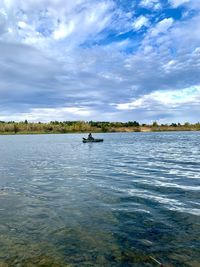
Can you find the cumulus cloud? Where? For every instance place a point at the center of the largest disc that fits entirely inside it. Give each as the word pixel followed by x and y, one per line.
pixel 176 3
pixel 154 4
pixel 140 22
pixel 165 106
pixel 162 26
pixel 168 99
pixel 188 4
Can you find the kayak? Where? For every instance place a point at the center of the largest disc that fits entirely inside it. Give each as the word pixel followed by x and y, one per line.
pixel 92 140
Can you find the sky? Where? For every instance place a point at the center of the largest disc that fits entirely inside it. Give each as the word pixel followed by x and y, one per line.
pixel 102 60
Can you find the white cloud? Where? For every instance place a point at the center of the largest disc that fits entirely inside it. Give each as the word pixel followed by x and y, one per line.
pixel 162 26
pixel 140 22
pixel 176 3
pixel 3 23
pixel 63 30
pixel 168 98
pixel 48 22
pixel 73 60
pixel 188 4
pixel 46 114
pixel 151 4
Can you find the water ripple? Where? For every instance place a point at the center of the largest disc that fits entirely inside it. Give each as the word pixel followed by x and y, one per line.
pixel 117 203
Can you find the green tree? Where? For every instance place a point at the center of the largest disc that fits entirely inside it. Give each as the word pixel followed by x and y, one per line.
pixel 155 124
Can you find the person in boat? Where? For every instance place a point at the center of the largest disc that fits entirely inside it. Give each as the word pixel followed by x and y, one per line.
pixel 90 137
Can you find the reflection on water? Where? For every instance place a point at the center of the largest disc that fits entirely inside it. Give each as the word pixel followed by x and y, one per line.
pixel 117 203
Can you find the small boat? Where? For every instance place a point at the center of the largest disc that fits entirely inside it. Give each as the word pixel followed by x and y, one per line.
pixel 92 140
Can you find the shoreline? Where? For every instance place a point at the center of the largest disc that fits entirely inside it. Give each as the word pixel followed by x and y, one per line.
pixel 100 132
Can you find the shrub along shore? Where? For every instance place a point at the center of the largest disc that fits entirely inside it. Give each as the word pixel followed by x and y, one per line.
pixel 26 127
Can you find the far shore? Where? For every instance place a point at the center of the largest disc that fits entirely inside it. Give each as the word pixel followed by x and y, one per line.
pixel 113 130
pixel 67 127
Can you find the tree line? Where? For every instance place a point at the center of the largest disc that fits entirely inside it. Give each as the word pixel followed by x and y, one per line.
pixel 12 127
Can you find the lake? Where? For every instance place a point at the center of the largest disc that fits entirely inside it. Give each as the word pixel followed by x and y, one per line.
pixel 129 201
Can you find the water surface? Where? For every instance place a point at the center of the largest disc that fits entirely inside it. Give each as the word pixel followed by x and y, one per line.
pixel 116 203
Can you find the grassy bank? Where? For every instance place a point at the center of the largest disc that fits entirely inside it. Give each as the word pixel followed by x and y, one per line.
pixel 56 127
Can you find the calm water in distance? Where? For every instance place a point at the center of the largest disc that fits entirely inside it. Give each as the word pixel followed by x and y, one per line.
pixel 116 203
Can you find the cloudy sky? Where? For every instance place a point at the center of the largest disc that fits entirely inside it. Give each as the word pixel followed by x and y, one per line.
pixel 108 60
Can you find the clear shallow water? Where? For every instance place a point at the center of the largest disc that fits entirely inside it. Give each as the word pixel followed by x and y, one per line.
pixel 116 203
